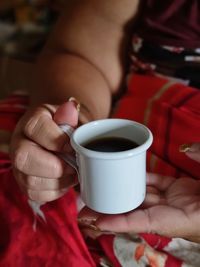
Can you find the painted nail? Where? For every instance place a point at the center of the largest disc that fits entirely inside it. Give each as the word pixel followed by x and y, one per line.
pixel 77 104
pixel 89 224
pixel 86 221
pixel 184 148
pixel 93 227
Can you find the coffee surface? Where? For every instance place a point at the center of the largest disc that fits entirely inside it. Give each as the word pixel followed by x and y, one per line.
pixel 110 144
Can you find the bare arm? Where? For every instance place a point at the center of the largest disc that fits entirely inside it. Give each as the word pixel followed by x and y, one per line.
pixel 84 56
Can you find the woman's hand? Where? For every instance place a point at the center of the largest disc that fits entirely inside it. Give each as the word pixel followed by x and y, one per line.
pixel 171 208
pixel 40 173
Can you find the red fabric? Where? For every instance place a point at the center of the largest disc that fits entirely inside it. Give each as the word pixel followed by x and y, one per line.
pixel 155 240
pixel 55 243
pixel 107 245
pixel 173 117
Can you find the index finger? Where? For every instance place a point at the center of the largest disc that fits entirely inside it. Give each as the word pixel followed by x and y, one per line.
pixel 40 128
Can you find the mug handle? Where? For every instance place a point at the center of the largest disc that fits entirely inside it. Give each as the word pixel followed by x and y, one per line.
pixel 68 158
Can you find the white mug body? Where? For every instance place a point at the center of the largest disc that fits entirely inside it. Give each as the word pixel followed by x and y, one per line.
pixel 112 182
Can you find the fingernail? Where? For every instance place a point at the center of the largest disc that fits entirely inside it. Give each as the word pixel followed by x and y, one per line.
pixel 93 227
pixel 76 103
pixel 86 221
pixel 184 148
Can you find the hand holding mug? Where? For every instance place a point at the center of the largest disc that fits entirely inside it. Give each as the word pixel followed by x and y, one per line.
pixel 40 173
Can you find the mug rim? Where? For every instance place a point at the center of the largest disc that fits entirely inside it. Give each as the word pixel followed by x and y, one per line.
pixel 111 155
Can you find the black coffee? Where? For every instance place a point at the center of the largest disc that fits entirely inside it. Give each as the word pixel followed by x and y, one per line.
pixel 110 144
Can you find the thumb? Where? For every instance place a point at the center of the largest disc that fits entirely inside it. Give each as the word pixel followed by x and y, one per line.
pixel 68 113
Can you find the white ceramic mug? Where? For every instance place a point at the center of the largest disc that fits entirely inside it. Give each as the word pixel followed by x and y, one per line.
pixel 111 182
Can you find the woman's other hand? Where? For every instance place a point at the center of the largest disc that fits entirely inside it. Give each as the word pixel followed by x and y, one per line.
pixel 171 209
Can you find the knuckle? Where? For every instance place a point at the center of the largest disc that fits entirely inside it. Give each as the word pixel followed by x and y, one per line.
pixel 33 195
pixel 30 126
pixel 34 182
pixel 33 126
pixel 52 195
pixel 57 169
pixel 19 159
pixel 43 196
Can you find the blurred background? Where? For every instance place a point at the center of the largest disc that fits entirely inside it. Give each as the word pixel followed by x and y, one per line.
pixel 24 28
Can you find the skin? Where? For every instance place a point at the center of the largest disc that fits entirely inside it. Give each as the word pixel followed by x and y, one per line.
pixel 194 152
pixel 82 60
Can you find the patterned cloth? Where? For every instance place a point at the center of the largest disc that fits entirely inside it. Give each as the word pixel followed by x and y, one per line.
pixel 171 111
pixel 176 63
